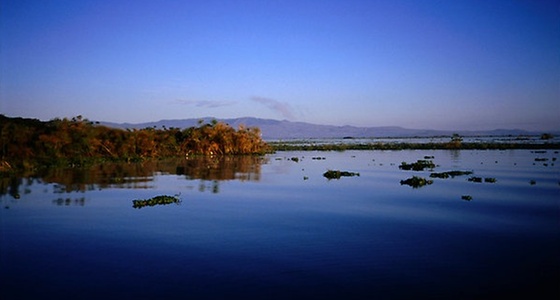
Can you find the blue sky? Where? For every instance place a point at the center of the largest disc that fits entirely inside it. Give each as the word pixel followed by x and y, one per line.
pixel 417 64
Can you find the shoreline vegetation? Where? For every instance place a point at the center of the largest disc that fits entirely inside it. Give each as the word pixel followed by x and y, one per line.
pixel 31 143
pixel 288 146
pixel 26 143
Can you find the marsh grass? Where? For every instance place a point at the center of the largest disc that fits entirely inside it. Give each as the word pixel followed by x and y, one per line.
pixel 336 174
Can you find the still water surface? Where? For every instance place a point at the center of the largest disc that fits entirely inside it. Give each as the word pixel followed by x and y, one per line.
pixel 274 227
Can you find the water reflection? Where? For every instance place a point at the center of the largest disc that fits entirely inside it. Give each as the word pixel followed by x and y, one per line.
pixel 455 155
pixel 70 201
pixel 244 168
pixel 210 170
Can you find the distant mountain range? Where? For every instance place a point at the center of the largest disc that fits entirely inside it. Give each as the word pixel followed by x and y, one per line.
pixel 274 129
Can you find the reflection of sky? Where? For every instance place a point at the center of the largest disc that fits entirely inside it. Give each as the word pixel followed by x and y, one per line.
pixel 419 64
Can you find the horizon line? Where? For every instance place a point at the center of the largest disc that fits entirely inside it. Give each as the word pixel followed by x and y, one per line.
pixel 557 131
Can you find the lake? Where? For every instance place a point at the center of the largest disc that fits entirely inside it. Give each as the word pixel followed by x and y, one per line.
pixel 273 227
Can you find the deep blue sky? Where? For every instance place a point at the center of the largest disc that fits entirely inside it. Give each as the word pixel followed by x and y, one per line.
pixel 418 64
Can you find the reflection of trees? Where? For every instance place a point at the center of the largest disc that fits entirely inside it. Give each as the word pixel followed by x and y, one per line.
pixel 139 175
pixel 213 186
pixel 69 201
pixel 10 185
pixel 244 168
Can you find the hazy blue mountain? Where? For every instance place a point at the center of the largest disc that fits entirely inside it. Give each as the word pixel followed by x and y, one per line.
pixel 275 129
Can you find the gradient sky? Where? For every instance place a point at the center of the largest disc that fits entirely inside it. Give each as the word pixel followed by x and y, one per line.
pixel 417 64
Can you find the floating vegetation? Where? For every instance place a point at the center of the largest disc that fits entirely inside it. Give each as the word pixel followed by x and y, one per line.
pixel 336 174
pixel 419 165
pixel 450 174
pixel 541 159
pixel 429 157
pixel 475 179
pixel 459 173
pixel 296 159
pixel 440 175
pixel 157 200
pixel 532 182
pixel 416 182
pixel 466 197
pixel 479 179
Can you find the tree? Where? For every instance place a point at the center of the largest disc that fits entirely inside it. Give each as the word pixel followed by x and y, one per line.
pixel 78 140
pixel 455 142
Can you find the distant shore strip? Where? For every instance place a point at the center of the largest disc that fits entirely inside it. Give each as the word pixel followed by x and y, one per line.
pixel 280 146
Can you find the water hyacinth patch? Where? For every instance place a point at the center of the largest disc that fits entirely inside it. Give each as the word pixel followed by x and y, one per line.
pixel 450 174
pixel 416 182
pixel 157 200
pixel 336 174
pixel 475 179
pixel 419 165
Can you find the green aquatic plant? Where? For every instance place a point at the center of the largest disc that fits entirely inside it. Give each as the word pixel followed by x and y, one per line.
pixel 440 175
pixel 466 197
pixel 450 174
pixel 475 179
pixel 480 179
pixel 157 200
pixel 336 174
pixel 416 182
pixel 419 165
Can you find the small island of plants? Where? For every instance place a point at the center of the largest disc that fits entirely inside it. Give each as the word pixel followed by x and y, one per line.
pixel 419 165
pixel 157 200
pixel 416 182
pixel 27 143
pixel 336 174
pixel 451 174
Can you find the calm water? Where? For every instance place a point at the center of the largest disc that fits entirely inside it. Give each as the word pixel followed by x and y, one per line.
pixel 272 227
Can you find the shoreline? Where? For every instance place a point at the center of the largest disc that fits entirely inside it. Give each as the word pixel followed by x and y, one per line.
pixel 290 146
